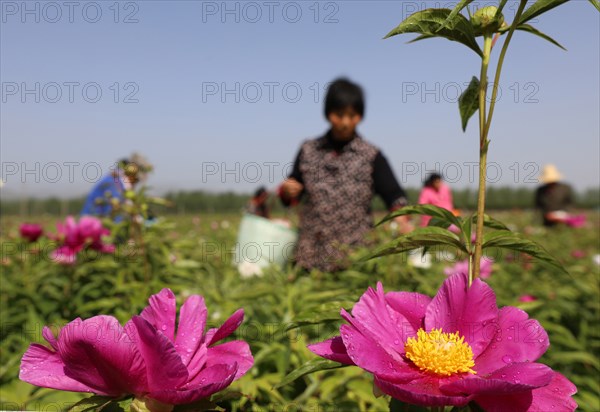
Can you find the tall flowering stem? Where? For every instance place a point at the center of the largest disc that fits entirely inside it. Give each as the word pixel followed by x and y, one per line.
pixel 484 127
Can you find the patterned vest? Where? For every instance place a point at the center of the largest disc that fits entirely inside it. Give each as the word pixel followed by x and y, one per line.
pixel 337 201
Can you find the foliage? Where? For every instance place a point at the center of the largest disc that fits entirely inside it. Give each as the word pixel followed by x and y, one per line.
pixel 285 309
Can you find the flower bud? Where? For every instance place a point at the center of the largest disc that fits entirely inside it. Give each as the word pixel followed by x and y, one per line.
pixel 484 20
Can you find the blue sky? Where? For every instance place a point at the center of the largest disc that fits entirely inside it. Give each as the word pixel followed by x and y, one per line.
pixel 220 95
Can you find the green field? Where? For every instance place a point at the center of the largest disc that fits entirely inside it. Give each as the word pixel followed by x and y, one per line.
pixel 285 309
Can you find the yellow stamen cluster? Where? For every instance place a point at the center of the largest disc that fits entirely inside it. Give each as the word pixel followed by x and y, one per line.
pixel 442 354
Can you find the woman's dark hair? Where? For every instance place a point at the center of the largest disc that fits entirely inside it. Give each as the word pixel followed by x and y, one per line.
pixel 432 178
pixel 342 93
pixel 260 191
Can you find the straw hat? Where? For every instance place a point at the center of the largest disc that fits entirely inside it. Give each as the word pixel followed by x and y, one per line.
pixel 550 174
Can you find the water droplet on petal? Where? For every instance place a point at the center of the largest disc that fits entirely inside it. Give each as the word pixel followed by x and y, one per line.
pixel 507 359
pixel 503 375
pixel 509 338
pixel 396 342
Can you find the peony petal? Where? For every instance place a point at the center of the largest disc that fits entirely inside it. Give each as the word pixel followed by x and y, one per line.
pixel 228 327
pixel 64 255
pixel 556 396
pixel 411 305
pixel 424 392
pixel 517 377
pixel 49 336
pixel 164 369
pixel 376 320
pixel 234 352
pixel 463 309
pixel 98 353
pixel 332 349
pixel 506 402
pixel 197 361
pixel 192 320
pixel 213 380
pixel 162 312
pixel 41 366
pixel 370 356
pixel 516 338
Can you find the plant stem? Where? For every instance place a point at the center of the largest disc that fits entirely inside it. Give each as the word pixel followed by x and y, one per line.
pixel 483 145
pixel 484 128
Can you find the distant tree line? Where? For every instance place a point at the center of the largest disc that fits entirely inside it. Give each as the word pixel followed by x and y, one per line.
pixel 200 201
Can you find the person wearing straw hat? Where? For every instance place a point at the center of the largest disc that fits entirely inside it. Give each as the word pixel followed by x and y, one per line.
pixel 106 196
pixel 553 198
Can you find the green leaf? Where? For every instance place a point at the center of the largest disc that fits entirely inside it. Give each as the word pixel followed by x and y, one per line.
pixel 439 223
pixel 468 102
pixel 93 403
pixel 421 237
pixel 399 406
pixel 439 23
pixel 325 312
pixel 596 4
pixel 201 405
pixel 539 7
pixel 567 358
pixel 533 30
pixel 313 365
pixel 500 7
pixel 428 210
pixel 512 241
pixel 466 229
pixel 457 9
pixel 490 222
pixel 421 37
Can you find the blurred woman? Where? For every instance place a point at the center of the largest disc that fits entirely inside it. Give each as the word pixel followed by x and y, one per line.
pixel 337 176
pixel 436 193
pixel 258 204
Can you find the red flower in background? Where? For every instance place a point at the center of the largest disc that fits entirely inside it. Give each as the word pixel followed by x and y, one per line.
pixel 31 231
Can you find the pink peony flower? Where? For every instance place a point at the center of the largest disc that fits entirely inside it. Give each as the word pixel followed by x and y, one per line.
pixel 65 255
pixel 527 298
pixel 69 232
pixel 31 231
pixel 91 230
pixel 450 350
pixel 76 236
pixel 578 254
pixel 485 268
pixel 147 358
pixel 575 220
